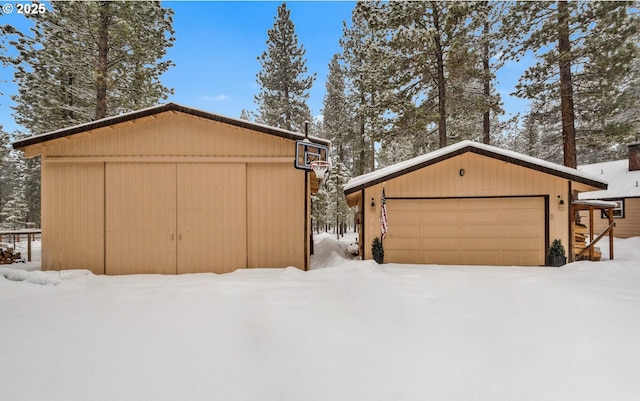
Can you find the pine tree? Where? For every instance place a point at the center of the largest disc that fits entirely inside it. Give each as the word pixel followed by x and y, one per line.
pixel 6 171
pixel 13 211
pixel 584 50
pixel 365 87
pixel 283 80
pixel 337 116
pixel 89 60
pixel 429 46
pixel 337 211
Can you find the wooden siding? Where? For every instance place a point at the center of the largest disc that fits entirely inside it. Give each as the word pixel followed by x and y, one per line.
pixel 483 177
pixel 212 217
pixel 626 227
pixel 73 216
pixel 275 195
pixel 170 134
pixel 140 218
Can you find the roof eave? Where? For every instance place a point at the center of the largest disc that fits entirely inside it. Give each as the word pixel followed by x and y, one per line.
pixel 65 132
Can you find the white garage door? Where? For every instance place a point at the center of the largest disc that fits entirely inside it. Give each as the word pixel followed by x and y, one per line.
pixel 485 231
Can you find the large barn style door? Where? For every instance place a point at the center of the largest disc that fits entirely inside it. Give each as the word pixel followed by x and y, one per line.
pixel 140 200
pixel 212 217
pixel 173 218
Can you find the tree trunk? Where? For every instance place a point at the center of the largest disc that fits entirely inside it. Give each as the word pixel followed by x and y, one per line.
pixel 102 62
pixel 566 87
pixel 442 92
pixel 486 123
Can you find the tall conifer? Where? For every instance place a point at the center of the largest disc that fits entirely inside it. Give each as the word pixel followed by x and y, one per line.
pixel 284 81
pixel 89 60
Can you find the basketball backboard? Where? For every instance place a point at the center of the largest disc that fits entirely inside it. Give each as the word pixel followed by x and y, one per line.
pixel 308 152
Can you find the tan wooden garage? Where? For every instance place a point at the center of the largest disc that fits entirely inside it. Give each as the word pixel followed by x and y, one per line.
pixel 468 203
pixel 171 190
pixel 473 231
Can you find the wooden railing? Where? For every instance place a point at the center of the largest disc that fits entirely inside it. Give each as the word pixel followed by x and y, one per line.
pixel 594 242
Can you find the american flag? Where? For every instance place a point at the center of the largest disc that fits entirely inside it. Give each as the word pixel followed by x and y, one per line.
pixel 383 216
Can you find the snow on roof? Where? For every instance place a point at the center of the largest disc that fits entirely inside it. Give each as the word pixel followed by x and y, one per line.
pixel 129 116
pixel 407 166
pixel 622 182
pixel 597 203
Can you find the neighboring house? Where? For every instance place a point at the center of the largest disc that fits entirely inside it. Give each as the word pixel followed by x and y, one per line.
pixel 469 203
pixel 171 189
pixel 623 177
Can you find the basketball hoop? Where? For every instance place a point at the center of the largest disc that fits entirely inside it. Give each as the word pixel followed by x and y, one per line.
pixel 320 168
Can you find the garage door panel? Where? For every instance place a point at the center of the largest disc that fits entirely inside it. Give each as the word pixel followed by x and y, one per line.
pixel 405 231
pixel 402 243
pixel 443 257
pixel 443 217
pixel 440 230
pixel 520 230
pixel 404 256
pixel 479 216
pixel 404 217
pixel 444 244
pixel 523 244
pixel 487 257
pixel 488 231
pixel 520 215
pixel 479 244
pixel 518 258
pixel 480 230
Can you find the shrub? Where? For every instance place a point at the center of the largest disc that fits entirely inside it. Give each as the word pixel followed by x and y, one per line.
pixel 377 250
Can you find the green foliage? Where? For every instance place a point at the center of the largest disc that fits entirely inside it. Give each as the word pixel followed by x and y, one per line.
pixel 598 53
pixel 88 60
pixel 19 187
pixel 283 80
pixel 377 250
pixel 557 249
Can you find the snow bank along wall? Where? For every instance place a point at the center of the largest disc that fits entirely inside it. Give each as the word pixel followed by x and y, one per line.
pixel 171 190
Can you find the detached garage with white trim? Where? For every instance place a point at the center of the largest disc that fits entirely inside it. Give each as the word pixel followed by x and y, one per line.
pixel 469 203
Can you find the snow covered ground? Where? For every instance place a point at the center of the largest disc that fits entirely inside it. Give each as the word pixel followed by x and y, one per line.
pixel 346 330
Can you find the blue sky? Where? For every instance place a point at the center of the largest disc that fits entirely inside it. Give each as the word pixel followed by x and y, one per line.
pixel 218 43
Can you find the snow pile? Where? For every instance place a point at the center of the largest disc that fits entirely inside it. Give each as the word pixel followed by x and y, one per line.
pixel 41 278
pixel 358 332
pixel 329 252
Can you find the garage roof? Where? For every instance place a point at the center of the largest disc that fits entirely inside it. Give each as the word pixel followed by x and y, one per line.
pixel 398 169
pixel 65 132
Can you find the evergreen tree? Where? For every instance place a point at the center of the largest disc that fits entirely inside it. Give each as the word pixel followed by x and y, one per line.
pixel 13 211
pixel 283 80
pixel 429 50
pixel 337 211
pixel 365 87
pixel 485 22
pixel 89 60
pixel 6 171
pixel 584 50
pixel 337 117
